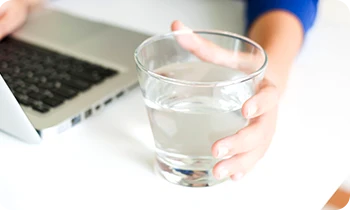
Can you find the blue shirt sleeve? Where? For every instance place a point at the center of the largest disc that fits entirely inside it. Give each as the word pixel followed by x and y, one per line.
pixel 305 10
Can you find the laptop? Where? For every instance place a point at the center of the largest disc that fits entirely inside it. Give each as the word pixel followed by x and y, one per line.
pixel 61 70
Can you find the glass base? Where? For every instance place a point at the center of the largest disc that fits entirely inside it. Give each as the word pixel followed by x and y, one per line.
pixel 183 177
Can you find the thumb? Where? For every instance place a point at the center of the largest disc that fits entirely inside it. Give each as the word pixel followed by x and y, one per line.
pixel 202 48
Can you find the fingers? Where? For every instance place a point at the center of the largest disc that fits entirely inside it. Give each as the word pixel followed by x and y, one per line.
pixel 245 148
pixel 13 15
pixel 265 100
pixel 177 26
pixel 261 109
pixel 206 50
pixel 243 141
pixel 237 166
pixel 203 48
pixel 257 134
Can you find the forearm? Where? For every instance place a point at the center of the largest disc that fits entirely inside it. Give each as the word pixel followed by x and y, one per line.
pixel 281 34
pixel 279 27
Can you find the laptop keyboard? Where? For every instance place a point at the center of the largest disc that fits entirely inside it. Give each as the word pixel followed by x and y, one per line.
pixel 43 79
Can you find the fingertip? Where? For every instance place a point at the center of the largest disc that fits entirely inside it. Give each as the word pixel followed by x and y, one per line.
pixel 244 109
pixel 215 173
pixel 237 177
pixel 265 100
pixel 220 172
pixel 176 25
pixel 250 108
pixel 214 149
pixel 221 148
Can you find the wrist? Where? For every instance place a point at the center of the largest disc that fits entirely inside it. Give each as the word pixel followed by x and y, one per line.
pixel 280 34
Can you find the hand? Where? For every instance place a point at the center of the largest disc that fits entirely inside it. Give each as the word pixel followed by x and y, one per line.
pixel 249 144
pixel 13 14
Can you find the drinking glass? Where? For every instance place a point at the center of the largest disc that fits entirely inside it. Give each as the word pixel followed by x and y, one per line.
pixel 194 84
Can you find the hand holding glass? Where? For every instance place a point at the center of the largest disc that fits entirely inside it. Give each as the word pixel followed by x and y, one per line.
pixel 194 84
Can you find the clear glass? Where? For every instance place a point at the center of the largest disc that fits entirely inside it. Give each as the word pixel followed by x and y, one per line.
pixel 194 84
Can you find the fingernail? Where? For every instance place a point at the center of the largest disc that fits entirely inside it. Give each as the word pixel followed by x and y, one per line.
pixel 184 27
pixel 222 151
pixel 223 173
pixel 237 176
pixel 252 110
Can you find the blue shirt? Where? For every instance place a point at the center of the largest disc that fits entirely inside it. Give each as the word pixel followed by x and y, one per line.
pixel 305 10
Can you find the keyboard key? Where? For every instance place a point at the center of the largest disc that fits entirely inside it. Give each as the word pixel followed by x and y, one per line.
pixel 40 108
pixel 20 75
pixel 53 102
pixel 23 99
pixel 36 96
pixel 107 72
pixel 6 71
pixel 30 74
pixel 48 94
pixel 6 77
pixel 77 84
pixel 65 92
pixel 42 78
pixel 21 90
pixel 46 85
pixel 63 67
pixel 62 76
pixel 33 88
pixel 3 65
pixel 93 78
pixel 20 83
pixel 16 70
pixel 32 80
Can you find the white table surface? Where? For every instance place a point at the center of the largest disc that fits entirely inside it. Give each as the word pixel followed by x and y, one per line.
pixel 107 162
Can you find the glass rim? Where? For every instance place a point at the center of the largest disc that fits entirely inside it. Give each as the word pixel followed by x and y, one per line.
pixel 239 80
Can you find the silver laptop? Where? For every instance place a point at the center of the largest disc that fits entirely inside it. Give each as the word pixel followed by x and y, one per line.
pixel 62 70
